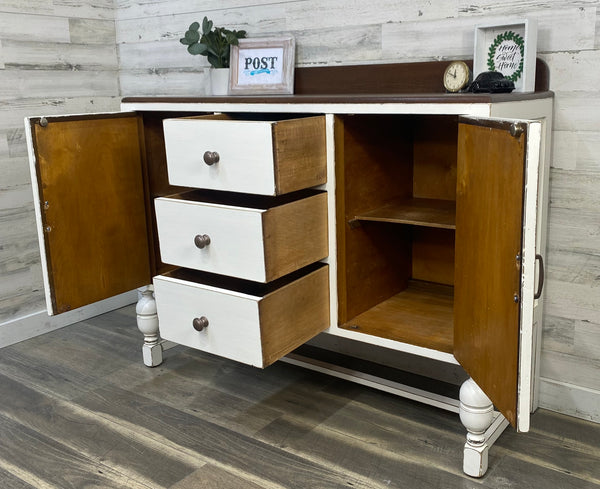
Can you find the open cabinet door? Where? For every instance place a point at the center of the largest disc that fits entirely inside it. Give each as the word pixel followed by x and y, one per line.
pixel 495 259
pixel 88 188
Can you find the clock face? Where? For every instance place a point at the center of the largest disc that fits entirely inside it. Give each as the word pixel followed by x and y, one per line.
pixel 456 76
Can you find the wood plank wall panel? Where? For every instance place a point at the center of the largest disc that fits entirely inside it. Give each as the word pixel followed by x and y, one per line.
pixel 56 57
pixel 152 62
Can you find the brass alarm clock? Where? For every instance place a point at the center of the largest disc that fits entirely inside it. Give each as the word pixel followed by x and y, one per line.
pixel 457 76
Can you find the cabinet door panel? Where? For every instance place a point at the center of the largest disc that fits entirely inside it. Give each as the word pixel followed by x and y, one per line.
pixel 497 178
pixel 89 197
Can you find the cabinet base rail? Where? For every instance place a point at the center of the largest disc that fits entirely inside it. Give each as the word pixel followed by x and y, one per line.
pixel 389 386
pixel 484 425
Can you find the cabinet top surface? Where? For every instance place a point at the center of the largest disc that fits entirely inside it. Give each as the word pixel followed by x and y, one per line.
pixel 467 104
pixel 343 99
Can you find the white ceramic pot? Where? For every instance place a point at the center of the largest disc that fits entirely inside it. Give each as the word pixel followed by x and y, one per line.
pixel 219 81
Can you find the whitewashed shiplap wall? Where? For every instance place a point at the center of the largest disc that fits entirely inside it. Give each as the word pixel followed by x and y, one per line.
pixel 61 56
pixel 56 56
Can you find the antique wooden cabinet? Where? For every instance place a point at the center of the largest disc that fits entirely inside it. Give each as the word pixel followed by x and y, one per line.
pixel 390 214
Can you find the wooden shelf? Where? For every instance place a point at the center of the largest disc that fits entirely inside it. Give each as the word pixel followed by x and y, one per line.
pixel 420 315
pixel 418 212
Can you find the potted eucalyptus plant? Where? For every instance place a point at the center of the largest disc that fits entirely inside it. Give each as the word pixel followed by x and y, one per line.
pixel 214 43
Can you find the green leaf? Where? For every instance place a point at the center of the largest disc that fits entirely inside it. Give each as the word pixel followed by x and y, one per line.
pixel 197 48
pixel 214 51
pixel 207 25
pixel 192 36
pixel 185 41
pixel 230 36
pixel 194 26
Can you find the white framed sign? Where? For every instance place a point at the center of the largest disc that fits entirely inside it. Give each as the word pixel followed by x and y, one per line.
pixel 262 66
pixel 509 48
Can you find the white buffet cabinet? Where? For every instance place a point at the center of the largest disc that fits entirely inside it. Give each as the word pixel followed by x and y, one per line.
pixel 415 222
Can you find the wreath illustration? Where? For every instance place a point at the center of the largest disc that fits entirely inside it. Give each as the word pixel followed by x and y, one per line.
pixel 500 38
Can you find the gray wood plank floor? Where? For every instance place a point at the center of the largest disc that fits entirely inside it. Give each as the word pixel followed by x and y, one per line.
pixel 79 410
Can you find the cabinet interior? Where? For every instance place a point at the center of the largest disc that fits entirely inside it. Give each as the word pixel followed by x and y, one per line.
pixel 396 199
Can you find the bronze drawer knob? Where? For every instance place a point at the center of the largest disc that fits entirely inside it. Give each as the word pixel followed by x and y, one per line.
pixel 211 157
pixel 201 240
pixel 200 323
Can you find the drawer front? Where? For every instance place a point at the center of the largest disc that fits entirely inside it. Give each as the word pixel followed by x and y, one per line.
pixel 256 157
pixel 253 244
pixel 253 329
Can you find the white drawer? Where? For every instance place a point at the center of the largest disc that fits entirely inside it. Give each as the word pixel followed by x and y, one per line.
pixel 256 157
pixel 252 323
pixel 262 240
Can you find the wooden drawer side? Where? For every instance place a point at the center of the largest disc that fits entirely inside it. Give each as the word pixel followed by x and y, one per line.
pixel 294 314
pixel 295 235
pixel 299 154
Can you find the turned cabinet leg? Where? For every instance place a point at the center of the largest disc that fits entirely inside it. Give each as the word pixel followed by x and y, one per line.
pixel 147 322
pixel 476 414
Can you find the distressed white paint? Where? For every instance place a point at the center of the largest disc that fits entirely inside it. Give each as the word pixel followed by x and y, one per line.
pixel 236 237
pixel 476 414
pixel 531 213
pixel 542 110
pixel 245 149
pixel 37 205
pixel 234 320
pixel 147 323
pixel 330 187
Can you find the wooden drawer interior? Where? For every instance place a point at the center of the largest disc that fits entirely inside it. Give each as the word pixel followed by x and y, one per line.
pixel 396 226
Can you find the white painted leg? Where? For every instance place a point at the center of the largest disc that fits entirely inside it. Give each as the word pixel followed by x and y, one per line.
pixel 476 414
pixel 147 322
